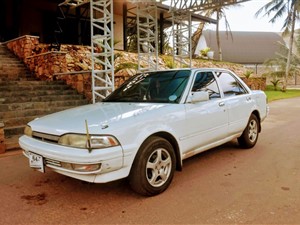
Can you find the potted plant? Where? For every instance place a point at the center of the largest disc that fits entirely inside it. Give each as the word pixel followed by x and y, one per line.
pixel 206 53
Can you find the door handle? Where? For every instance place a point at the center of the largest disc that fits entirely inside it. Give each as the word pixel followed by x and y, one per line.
pixel 248 98
pixel 221 104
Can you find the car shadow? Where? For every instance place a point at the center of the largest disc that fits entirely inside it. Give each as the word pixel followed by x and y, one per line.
pixel 59 185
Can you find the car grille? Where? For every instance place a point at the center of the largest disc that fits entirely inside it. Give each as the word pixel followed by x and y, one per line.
pixel 45 137
pixel 52 162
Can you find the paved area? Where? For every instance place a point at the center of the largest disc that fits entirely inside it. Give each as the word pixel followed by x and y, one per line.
pixel 226 185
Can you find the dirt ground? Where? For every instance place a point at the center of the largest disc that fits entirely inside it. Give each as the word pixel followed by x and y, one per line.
pixel 226 185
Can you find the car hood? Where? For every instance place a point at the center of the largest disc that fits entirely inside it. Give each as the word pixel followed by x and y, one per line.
pixel 100 117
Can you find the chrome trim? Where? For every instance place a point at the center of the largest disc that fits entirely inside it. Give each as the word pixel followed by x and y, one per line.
pixel 52 162
pixel 45 137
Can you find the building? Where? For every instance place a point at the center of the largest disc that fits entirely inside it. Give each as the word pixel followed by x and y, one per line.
pixel 249 48
pixel 54 21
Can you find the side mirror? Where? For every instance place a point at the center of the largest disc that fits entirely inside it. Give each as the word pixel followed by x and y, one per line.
pixel 199 96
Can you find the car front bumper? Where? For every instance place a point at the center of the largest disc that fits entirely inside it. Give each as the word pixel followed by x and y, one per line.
pixel 102 165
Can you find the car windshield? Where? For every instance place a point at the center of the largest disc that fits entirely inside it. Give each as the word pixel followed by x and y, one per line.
pixel 159 86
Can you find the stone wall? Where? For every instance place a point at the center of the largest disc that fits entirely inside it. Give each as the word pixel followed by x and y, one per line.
pixel 255 83
pixel 45 65
pixel 24 46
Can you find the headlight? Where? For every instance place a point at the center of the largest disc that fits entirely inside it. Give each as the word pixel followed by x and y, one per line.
pixel 81 141
pixel 28 131
pixel 103 141
pixel 74 140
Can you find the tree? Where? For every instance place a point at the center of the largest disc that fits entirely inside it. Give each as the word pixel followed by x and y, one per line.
pixel 280 62
pixel 219 11
pixel 279 8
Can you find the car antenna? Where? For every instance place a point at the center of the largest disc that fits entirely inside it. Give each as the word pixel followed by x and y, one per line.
pixel 88 137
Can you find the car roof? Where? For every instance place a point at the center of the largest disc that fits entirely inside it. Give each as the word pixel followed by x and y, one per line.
pixel 192 69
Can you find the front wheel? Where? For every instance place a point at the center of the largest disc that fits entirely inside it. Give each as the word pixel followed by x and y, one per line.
pixel 153 167
pixel 250 135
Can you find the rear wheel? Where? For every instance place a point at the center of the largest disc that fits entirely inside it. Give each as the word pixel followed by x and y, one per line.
pixel 250 135
pixel 153 167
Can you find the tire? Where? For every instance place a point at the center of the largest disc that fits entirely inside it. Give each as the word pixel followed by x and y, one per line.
pixel 250 135
pixel 153 168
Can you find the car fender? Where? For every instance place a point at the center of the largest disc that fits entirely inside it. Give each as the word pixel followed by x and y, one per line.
pixel 153 129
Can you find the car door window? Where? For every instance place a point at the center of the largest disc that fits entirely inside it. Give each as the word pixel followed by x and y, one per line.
pixel 230 85
pixel 205 81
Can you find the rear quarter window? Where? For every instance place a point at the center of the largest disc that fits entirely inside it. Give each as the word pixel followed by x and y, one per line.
pixel 230 85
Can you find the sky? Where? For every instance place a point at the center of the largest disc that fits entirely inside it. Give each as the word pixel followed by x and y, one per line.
pixel 242 18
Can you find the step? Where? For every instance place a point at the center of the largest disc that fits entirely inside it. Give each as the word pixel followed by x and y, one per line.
pixel 9 59
pixel 38 92
pixel 13 68
pixel 4 64
pixel 12 131
pixel 25 118
pixel 15 72
pixel 6 53
pixel 16 78
pixel 14 75
pixel 38 98
pixel 23 98
pixel 40 105
pixel 33 87
pixel 36 82
pixel 12 143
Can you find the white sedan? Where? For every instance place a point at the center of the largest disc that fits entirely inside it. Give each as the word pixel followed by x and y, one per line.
pixel 147 127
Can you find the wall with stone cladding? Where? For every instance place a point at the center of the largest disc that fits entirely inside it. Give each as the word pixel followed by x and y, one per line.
pixel 45 65
pixel 24 46
pixel 255 83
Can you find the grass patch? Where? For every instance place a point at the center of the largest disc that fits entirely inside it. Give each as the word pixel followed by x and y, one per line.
pixel 276 95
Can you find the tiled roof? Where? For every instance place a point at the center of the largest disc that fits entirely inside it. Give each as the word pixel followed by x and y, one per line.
pixel 245 47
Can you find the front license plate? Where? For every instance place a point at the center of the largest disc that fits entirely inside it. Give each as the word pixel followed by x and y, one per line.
pixel 36 162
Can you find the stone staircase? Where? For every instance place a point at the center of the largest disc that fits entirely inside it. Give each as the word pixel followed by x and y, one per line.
pixel 23 98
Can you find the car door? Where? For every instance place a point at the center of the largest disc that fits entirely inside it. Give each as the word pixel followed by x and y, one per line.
pixel 237 100
pixel 206 121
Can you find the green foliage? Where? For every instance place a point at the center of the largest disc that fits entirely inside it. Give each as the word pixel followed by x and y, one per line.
pixel 275 83
pixel 204 51
pixel 248 73
pixel 169 62
pixel 127 65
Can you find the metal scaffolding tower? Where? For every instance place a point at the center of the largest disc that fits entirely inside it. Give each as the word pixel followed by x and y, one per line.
pixel 102 35
pixel 147 36
pixel 200 5
pixel 102 48
pixel 182 43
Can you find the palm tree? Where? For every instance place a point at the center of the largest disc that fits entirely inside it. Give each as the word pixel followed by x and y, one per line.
pixel 280 62
pixel 289 8
pixel 220 13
